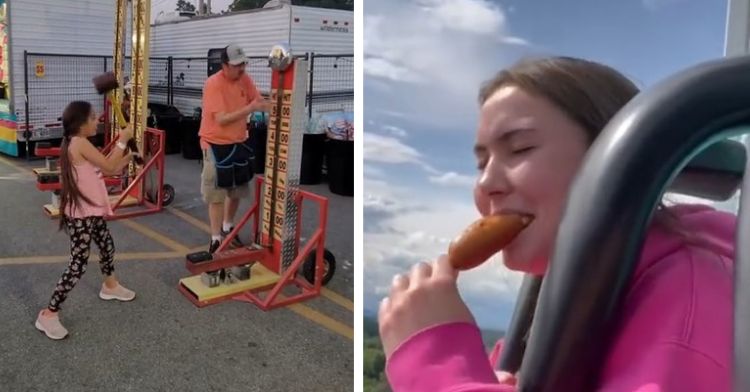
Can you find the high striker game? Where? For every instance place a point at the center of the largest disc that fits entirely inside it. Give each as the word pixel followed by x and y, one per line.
pixel 257 273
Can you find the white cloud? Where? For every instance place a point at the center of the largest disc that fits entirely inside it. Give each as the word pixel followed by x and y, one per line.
pixel 513 41
pixel 429 58
pixel 378 67
pixel 393 113
pixel 385 149
pixel 453 179
pixel 383 197
pixel 371 171
pixel 394 130
pixel 475 16
pixel 432 40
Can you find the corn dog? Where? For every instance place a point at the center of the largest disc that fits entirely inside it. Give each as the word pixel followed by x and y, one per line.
pixel 483 238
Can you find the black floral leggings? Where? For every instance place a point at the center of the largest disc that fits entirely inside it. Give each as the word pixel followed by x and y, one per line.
pixel 81 232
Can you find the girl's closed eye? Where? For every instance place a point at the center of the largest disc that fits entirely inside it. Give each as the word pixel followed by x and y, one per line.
pixel 481 164
pixel 482 156
pixel 522 150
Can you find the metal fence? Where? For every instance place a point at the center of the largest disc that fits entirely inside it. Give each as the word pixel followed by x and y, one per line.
pixel 190 73
pixel 331 83
pixel 158 79
pixel 51 81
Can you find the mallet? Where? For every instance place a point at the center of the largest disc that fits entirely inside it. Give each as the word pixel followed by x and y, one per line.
pixel 107 83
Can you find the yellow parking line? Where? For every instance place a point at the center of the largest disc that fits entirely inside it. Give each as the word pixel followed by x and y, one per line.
pixel 179 250
pixel 337 298
pixel 65 258
pixel 198 249
pixel 332 296
pixel 321 319
pixel 156 236
pixel 190 219
pixel 302 310
pixel 15 166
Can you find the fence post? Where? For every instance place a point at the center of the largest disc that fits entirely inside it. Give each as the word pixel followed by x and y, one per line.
pixel 108 129
pixel 310 86
pixel 26 132
pixel 170 87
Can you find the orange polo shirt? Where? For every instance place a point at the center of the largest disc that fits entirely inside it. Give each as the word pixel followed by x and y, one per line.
pixel 223 95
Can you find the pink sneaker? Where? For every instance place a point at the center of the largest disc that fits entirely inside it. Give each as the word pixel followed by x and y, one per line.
pixel 119 293
pixel 51 326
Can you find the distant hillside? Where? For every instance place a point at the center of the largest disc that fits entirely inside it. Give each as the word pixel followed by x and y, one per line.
pixel 374 359
pixel 491 336
pixel 370 326
pixel 370 313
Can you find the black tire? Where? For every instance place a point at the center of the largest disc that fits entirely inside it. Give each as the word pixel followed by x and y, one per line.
pixel 308 268
pixel 168 195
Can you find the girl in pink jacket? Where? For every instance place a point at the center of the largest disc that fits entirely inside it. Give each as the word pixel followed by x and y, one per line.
pixel 537 120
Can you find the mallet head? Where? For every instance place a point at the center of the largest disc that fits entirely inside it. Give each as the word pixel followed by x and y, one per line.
pixel 105 82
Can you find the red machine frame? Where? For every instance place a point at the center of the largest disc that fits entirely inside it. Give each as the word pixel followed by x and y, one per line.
pixel 135 187
pixel 270 257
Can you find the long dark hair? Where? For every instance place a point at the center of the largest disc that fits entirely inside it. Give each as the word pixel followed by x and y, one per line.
pixel 76 114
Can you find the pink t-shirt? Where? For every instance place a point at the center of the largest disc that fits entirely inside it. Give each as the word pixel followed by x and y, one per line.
pixel 91 184
pixel 676 331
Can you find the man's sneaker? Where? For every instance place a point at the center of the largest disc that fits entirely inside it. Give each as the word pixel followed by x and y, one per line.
pixel 213 246
pixel 50 325
pixel 118 292
pixel 235 241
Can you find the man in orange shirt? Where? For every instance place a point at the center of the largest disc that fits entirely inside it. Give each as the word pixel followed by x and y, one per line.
pixel 229 97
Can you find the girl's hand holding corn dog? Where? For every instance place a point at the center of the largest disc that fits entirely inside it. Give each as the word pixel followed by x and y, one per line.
pixel 429 295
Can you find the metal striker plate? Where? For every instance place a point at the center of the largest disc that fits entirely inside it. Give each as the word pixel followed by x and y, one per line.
pixel 280 57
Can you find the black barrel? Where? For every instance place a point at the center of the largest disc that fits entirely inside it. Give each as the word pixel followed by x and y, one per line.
pixel 340 165
pixel 313 154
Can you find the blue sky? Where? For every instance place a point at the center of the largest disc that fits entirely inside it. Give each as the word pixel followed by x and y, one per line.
pixel 424 61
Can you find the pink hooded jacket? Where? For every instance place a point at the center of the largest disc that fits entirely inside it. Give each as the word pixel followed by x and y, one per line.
pixel 676 333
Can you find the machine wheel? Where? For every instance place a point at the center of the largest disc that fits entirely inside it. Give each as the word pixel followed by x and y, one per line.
pixel 168 195
pixel 329 267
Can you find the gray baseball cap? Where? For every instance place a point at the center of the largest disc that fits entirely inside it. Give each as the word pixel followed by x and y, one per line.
pixel 235 55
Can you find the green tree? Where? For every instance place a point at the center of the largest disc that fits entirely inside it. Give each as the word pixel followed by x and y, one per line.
pixel 241 5
pixel 373 363
pixel 335 4
pixel 373 342
pixel 183 5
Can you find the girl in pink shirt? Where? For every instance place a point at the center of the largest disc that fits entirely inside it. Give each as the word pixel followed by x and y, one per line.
pixel 84 204
pixel 537 120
